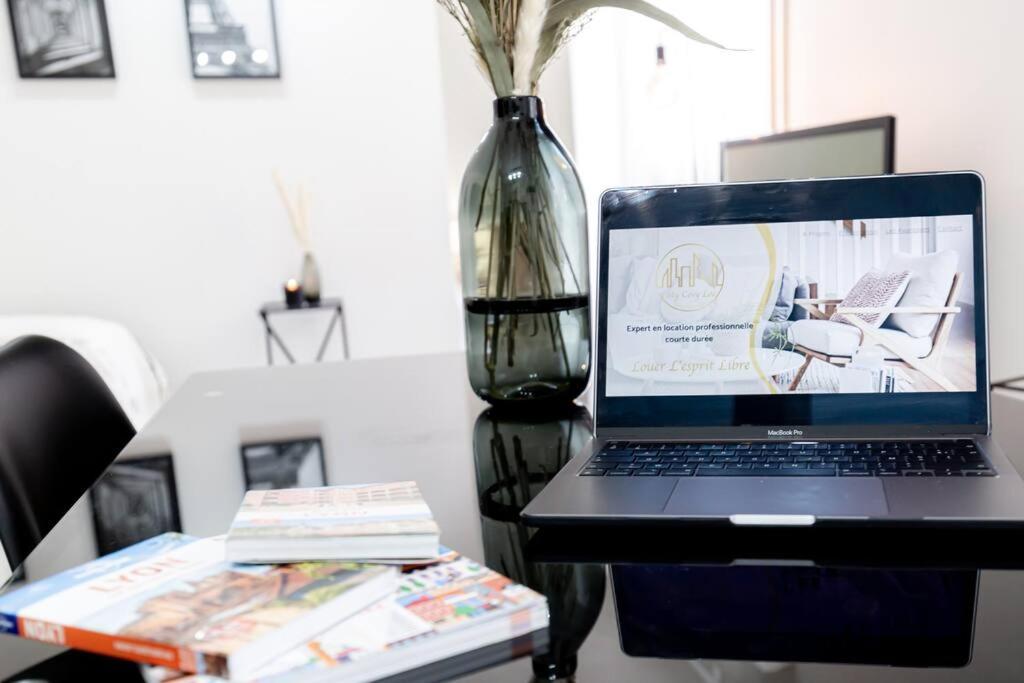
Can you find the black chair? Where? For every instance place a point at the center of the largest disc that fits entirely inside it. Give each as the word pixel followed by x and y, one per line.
pixel 60 428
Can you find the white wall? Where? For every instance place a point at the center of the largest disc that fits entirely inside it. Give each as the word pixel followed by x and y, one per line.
pixel 949 71
pixel 148 199
pixel 633 130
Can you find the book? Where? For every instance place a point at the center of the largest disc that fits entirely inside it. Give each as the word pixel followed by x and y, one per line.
pixel 173 601
pixel 454 608
pixel 363 522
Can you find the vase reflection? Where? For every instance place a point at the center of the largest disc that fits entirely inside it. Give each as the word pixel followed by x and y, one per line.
pixel 516 455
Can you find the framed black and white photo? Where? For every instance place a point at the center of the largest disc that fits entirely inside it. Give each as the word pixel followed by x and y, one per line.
pixel 297 463
pixel 136 499
pixel 233 38
pixel 61 38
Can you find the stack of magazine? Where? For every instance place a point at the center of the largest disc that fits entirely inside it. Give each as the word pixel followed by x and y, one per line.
pixel 369 523
pixel 176 602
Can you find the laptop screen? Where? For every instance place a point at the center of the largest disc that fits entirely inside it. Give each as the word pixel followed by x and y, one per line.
pixel 842 306
pixel 818 303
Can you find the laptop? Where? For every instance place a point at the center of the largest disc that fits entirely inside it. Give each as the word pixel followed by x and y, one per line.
pixel 791 353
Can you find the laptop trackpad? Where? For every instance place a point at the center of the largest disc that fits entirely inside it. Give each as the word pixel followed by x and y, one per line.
pixel 821 497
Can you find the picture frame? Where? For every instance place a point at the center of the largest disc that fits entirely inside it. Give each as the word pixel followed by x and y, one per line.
pixel 61 39
pixel 295 463
pixel 136 499
pixel 232 39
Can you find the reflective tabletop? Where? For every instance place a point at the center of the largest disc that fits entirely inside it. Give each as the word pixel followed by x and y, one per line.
pixel 662 604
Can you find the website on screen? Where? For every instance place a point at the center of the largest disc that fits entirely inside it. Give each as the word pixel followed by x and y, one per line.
pixel 839 306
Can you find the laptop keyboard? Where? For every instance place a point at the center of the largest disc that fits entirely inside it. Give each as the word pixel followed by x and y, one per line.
pixel 809 459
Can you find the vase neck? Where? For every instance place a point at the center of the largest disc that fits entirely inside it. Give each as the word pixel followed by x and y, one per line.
pixel 518 107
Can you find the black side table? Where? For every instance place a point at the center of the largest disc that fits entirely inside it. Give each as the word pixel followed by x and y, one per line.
pixel 277 307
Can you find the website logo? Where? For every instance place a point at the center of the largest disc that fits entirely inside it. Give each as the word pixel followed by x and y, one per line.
pixel 690 277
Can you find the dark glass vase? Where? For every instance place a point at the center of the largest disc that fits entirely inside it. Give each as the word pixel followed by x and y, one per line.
pixel 516 455
pixel 525 280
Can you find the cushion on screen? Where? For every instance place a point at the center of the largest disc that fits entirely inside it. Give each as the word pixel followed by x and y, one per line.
pixel 930 280
pixel 875 289
pixel 787 292
pixel 803 291
pixel 841 339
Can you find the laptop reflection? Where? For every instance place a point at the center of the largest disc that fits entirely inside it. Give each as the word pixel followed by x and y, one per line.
pixel 912 618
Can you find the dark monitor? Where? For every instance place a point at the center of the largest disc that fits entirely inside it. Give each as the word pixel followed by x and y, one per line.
pixel 855 148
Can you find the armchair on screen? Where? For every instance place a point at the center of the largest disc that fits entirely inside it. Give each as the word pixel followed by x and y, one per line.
pixel 915 298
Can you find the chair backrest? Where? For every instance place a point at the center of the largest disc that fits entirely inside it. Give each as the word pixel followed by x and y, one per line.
pixel 941 333
pixel 60 427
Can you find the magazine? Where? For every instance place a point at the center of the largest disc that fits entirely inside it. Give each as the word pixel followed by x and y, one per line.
pixel 363 522
pixel 173 601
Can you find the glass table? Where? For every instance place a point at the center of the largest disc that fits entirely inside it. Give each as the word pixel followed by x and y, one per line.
pixel 659 605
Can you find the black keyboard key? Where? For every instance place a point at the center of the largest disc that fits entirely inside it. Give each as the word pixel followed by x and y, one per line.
pixel 612 458
pixel 678 473
pixel 918 473
pixel 592 472
pixel 619 473
pixel 647 473
pixel 629 466
pixel 979 473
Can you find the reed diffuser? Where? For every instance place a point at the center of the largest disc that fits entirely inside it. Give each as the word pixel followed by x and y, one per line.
pixel 298 216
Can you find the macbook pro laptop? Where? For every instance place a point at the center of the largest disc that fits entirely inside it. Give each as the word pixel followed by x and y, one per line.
pixel 791 353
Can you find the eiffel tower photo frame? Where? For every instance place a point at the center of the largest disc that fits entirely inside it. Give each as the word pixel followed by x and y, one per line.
pixel 233 38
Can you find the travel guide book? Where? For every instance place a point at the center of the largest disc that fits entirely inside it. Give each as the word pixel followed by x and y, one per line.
pixel 375 522
pixel 439 612
pixel 173 601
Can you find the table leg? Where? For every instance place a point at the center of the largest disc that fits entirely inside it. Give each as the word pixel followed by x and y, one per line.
pixel 280 342
pixel 344 332
pixel 266 335
pixel 327 338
